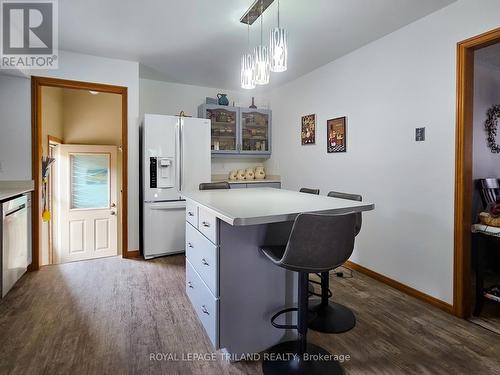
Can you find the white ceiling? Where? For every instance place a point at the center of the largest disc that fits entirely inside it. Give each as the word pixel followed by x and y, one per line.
pixel 200 41
pixel 489 55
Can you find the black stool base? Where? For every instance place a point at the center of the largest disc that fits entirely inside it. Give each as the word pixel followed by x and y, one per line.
pixel 295 365
pixel 332 318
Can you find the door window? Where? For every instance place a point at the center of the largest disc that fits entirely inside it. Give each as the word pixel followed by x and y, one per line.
pixel 89 181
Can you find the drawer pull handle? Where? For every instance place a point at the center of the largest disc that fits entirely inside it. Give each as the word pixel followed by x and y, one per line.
pixel 206 224
pixel 190 284
pixel 190 213
pixel 204 309
pixel 204 262
pixel 190 244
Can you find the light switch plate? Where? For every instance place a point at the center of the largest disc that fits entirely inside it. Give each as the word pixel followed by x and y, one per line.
pixel 419 134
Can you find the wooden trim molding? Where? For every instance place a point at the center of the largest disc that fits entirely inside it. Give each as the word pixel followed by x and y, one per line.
pixel 54 140
pixel 401 287
pixel 133 254
pixel 36 147
pixel 462 288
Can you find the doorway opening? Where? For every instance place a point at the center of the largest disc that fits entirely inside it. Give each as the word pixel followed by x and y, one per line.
pixel 474 161
pixel 80 207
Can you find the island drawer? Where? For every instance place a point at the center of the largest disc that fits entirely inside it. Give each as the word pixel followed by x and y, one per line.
pixel 207 224
pixel 204 303
pixel 203 256
pixel 192 213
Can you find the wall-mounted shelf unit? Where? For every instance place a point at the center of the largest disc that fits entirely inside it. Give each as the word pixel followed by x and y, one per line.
pixel 238 131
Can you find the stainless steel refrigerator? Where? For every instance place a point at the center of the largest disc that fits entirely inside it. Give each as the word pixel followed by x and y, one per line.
pixel 175 157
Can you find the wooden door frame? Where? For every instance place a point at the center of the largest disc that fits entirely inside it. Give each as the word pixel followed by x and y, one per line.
pixel 51 141
pixel 36 154
pixel 462 288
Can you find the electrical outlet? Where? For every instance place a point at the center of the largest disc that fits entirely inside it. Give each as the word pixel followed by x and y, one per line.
pixel 419 134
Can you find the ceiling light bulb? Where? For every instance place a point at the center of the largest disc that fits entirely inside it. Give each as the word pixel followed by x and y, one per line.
pixel 247 71
pixel 278 47
pixel 262 71
pixel 278 50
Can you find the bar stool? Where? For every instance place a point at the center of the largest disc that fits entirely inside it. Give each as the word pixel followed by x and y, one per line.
pixel 315 192
pixel 317 243
pixel 309 191
pixel 333 317
pixel 214 185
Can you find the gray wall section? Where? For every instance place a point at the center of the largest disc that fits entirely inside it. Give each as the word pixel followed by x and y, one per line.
pixel 15 128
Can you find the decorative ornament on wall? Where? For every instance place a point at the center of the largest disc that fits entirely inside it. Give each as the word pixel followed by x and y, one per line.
pixel 308 130
pixel 336 135
pixel 490 125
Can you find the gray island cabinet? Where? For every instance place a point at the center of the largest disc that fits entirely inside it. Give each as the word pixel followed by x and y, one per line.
pixel 232 287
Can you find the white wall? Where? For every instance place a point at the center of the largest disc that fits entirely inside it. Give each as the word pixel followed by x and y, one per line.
pixel 171 98
pixel 486 94
pixel 387 89
pixel 15 128
pixel 80 67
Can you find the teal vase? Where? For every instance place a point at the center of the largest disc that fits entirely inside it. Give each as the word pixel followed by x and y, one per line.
pixel 223 100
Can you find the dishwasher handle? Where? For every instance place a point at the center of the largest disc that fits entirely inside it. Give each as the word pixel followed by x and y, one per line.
pixel 14 210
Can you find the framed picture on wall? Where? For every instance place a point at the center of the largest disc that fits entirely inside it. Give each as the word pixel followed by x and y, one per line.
pixel 308 130
pixel 336 136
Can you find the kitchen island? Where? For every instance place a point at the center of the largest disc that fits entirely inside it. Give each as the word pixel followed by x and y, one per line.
pixel 233 288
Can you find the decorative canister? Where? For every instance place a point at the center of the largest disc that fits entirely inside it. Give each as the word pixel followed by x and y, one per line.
pixel 241 174
pixel 260 173
pixel 233 174
pixel 249 174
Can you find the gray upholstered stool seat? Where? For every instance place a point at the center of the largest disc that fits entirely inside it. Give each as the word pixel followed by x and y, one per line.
pixel 317 243
pixel 274 253
pixel 309 191
pixel 314 192
pixel 214 185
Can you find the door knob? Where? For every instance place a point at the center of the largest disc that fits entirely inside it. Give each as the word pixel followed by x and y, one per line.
pixel 113 205
pixel 113 213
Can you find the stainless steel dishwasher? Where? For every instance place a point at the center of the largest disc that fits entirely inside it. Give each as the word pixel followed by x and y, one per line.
pixel 14 236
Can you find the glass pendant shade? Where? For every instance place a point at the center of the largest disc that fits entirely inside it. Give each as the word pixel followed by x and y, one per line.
pixel 247 71
pixel 262 68
pixel 278 50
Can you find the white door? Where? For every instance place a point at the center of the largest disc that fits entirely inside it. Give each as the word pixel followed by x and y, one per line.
pixel 85 198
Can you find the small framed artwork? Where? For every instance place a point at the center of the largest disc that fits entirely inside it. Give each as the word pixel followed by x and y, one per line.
pixel 336 135
pixel 308 130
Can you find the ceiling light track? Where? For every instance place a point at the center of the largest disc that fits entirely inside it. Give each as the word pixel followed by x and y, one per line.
pixel 255 10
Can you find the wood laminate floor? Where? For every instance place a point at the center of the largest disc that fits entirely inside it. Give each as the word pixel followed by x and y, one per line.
pixel 107 316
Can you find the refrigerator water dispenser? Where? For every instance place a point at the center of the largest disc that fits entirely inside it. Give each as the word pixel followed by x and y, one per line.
pixel 161 172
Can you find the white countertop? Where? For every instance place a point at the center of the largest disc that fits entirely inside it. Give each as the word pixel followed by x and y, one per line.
pixel 9 189
pixel 9 193
pixel 268 205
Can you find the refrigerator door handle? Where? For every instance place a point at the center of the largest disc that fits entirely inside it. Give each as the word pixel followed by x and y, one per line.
pixel 177 156
pixel 181 152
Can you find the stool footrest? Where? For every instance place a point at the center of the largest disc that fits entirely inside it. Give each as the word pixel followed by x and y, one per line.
pixel 281 312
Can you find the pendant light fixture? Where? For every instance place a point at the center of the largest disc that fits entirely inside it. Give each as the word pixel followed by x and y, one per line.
pixel 261 56
pixel 247 65
pixel 278 47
